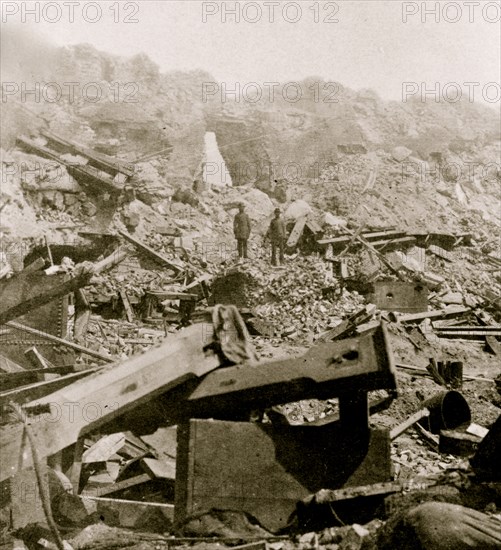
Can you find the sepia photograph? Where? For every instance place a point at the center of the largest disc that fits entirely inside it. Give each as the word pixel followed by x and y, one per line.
pixel 250 275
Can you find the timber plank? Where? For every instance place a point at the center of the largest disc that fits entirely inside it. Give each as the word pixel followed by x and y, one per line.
pixel 102 161
pixel 40 389
pixel 58 340
pixel 117 486
pixel 296 232
pixel 171 264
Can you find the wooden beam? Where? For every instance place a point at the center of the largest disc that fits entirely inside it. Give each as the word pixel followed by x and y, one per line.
pixel 75 470
pixel 117 486
pixel 160 468
pixel 404 426
pixel 369 236
pixel 389 244
pixel 131 514
pixel 445 313
pixel 424 372
pixel 432 439
pixel 37 390
pixel 478 333
pixel 167 295
pixel 38 360
pixel 86 405
pixel 348 493
pixel 296 232
pixel 110 261
pixel 91 176
pixel 61 341
pixel 102 161
pixel 370 247
pixel 24 376
pixel 127 307
pixel 171 264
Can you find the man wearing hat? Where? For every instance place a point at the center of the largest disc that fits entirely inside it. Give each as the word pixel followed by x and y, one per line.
pixel 241 230
pixel 276 234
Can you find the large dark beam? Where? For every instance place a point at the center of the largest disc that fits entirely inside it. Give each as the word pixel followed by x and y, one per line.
pixel 344 369
pixel 27 291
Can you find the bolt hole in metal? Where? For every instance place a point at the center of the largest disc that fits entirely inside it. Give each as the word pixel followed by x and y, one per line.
pixel 350 355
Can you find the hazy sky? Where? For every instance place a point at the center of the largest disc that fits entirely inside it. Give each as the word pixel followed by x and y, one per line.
pixel 370 46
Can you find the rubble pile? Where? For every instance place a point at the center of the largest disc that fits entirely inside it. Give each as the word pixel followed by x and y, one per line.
pixel 130 376
pixel 293 299
pixel 120 339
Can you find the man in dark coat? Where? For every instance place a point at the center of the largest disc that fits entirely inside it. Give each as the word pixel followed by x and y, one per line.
pixel 276 234
pixel 242 229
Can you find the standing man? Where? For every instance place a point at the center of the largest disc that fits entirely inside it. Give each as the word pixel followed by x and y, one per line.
pixel 242 229
pixel 276 234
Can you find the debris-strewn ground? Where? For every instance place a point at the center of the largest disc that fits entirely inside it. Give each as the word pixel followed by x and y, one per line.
pixel 451 224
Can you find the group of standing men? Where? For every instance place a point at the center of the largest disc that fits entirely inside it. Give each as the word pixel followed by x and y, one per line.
pixel 276 234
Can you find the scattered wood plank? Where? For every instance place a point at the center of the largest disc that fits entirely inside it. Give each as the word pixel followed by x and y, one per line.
pixel 445 313
pixel 37 359
pixel 424 372
pixel 440 252
pixel 49 252
pixel 92 176
pixel 433 369
pixel 394 243
pixel 61 341
pixel 258 545
pixel 129 313
pixel 345 328
pixel 117 486
pixel 23 377
pixel 313 226
pixel 171 264
pixel 75 470
pixel 467 332
pixel 370 247
pixel 186 296
pixel 348 493
pixel 82 314
pixel 110 261
pixel 369 236
pixel 404 426
pixel 160 468
pixel 102 161
pixel 39 390
pixel 130 514
pixel 104 448
pixel 371 180
pixel 432 439
pixel 202 279
pixel 296 232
